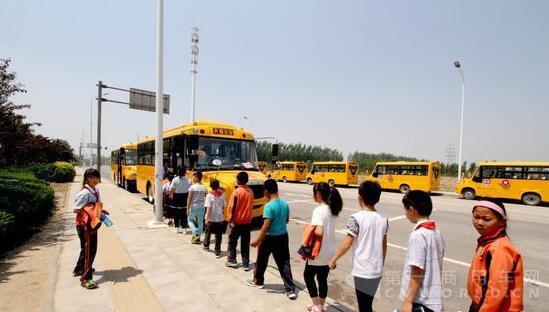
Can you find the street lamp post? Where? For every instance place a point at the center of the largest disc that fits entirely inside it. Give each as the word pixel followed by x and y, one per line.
pixel 458 66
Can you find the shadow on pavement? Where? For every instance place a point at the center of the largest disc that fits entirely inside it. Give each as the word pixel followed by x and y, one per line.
pixel 118 276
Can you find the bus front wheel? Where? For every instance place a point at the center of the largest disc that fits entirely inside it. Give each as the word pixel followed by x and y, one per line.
pixel 531 199
pixel 310 181
pixel 468 194
pixel 404 189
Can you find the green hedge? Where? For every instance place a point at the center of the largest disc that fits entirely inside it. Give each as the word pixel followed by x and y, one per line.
pixel 25 203
pixel 60 172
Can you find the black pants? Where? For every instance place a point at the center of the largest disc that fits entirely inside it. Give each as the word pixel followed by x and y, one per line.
pixel 88 250
pixel 215 228
pixel 278 246
pixel 179 211
pixel 241 231
pixel 321 272
pixel 416 307
pixel 365 289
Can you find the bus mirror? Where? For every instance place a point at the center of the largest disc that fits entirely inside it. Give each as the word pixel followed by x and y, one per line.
pixel 274 150
pixel 477 179
pixel 375 175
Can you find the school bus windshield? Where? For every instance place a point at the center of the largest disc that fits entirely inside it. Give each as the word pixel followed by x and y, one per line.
pixel 233 154
pixel 131 157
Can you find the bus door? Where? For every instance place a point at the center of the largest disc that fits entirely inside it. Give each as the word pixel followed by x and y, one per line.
pixel 120 163
pixel 352 173
pixel 435 176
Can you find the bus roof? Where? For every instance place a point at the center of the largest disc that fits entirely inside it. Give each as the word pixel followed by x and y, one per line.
pixel 129 146
pixel 206 128
pixel 514 163
pixel 412 163
pixel 334 162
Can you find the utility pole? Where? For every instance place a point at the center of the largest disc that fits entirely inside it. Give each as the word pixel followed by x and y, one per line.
pixel 450 154
pixel 457 64
pixel 194 69
pixel 99 99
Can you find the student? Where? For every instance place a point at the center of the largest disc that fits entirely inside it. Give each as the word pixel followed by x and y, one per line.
pixel 367 234
pixel 324 219
pixel 88 207
pixel 195 207
pixel 215 201
pixel 179 192
pixel 166 198
pixel 495 281
pixel 421 288
pixel 239 218
pixel 273 239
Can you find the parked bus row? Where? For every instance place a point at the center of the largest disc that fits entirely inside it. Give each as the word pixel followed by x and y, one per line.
pixel 197 145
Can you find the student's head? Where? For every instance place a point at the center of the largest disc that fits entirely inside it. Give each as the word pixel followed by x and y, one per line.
pixel 417 205
pixel 489 216
pixel 324 193
pixel 369 193
pixel 182 171
pixel 242 178
pixel 271 188
pixel 91 177
pixel 214 184
pixel 197 176
pixel 169 176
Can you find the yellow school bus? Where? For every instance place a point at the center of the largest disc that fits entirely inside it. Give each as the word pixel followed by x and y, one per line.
pixel 123 166
pixel 334 173
pixel 405 176
pixel 199 146
pixel 294 171
pixel 525 181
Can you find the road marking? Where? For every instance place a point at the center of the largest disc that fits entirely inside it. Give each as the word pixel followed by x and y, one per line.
pixel 397 218
pixel 450 260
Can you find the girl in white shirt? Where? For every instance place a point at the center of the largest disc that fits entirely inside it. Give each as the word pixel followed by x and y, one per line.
pixel 367 235
pixel 324 218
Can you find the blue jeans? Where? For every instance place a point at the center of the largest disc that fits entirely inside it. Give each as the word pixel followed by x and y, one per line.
pixel 196 220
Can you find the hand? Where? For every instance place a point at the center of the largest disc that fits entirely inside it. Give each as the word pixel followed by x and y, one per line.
pixel 106 212
pixel 255 243
pixel 406 307
pixel 332 264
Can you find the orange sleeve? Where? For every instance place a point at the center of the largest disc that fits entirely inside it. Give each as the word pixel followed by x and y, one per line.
pixel 500 281
pixel 230 206
pixel 517 288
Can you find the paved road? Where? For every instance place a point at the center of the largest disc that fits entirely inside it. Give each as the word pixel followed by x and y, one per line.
pixel 528 230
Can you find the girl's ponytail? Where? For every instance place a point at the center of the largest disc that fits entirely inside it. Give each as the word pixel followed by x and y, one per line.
pixel 330 195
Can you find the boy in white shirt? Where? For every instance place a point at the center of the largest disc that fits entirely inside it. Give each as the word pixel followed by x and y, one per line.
pixel 367 235
pixel 215 201
pixel 421 288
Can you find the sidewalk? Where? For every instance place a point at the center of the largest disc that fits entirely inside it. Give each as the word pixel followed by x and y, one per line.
pixel 139 269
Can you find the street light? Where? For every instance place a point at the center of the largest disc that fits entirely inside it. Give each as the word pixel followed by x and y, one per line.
pixel 91 128
pixel 458 66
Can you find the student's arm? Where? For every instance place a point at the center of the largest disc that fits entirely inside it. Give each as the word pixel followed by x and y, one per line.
pixel 264 229
pixel 413 288
pixel 384 248
pixel 343 248
pixel 230 208
pixel 189 201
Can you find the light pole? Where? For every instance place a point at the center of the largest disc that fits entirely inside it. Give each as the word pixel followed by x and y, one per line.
pixel 458 66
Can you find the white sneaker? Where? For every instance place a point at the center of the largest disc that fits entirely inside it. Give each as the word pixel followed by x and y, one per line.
pixel 175 230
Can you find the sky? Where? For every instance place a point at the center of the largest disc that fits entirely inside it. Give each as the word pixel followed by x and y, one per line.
pixel 369 76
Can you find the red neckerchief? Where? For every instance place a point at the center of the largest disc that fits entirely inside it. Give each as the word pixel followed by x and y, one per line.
pixel 484 240
pixel 430 225
pixel 94 192
pixel 217 193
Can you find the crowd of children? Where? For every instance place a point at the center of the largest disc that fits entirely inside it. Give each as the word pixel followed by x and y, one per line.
pixel 495 280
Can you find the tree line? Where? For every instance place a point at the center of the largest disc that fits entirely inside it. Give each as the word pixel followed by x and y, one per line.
pixel 366 161
pixel 19 145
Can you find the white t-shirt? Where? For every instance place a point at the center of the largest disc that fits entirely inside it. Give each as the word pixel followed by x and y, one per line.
pixel 180 185
pixel 215 204
pixel 198 192
pixel 85 196
pixel 368 229
pixel 426 251
pixel 322 215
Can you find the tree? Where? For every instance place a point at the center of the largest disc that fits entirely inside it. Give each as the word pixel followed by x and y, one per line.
pixel 18 143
